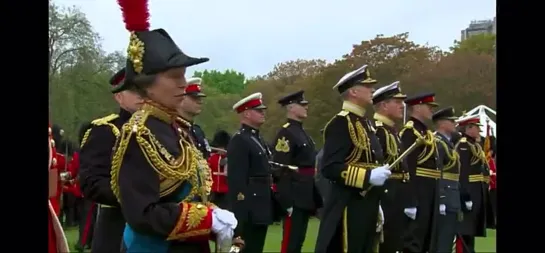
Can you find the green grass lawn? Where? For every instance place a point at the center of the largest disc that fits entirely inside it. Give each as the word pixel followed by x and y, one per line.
pixel 274 238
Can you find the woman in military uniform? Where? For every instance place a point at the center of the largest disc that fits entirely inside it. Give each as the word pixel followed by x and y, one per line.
pixel 159 176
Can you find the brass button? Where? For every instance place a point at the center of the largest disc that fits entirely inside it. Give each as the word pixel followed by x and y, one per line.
pixel 50 131
pixel 386 191
pixel 54 161
pixel 200 206
pixel 52 143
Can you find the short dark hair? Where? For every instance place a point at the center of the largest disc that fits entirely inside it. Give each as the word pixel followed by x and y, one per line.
pixel 140 83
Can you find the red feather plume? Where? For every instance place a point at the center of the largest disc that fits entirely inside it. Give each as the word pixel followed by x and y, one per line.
pixel 135 14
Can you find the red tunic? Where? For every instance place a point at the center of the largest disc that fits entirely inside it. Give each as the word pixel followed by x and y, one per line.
pixel 73 169
pixel 56 239
pixel 492 165
pixel 219 173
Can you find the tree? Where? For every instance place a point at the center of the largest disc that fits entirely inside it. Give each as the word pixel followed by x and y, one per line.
pixel 462 79
pixel 484 43
pixel 390 57
pixel 227 82
pixel 79 70
pixel 71 37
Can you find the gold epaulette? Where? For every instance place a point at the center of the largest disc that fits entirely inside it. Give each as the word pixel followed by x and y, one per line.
pixel 104 120
pixel 379 123
pixel 101 122
pixel 343 113
pixel 286 125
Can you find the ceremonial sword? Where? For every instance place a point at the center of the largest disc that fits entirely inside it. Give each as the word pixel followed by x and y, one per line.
pixel 416 143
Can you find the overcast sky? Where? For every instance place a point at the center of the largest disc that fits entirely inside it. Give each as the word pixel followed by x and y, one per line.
pixel 252 36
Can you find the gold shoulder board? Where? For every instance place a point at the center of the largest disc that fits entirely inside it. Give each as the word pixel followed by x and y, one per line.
pixel 409 124
pixel 286 125
pixel 104 120
pixel 378 123
pixel 343 113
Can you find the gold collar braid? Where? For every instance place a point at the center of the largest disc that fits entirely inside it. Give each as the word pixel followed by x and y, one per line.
pixel 189 166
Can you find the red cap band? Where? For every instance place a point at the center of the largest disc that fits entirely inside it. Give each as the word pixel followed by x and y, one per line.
pixel 250 104
pixel 193 88
pixel 469 121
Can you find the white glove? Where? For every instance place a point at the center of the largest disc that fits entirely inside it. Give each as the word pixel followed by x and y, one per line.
pixel 410 212
pixel 443 209
pixel 381 219
pixel 379 175
pixel 290 211
pixel 223 225
pixel 469 205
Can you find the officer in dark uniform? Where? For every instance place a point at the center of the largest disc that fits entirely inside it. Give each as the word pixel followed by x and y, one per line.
pixel 353 162
pixel 474 178
pixel 421 206
pixel 449 186
pixel 296 189
pixel 250 182
pixel 158 175
pixel 388 103
pixel 95 162
pixel 190 108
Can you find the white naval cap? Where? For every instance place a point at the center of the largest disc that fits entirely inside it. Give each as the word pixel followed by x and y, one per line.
pixel 253 101
pixel 359 76
pixel 389 91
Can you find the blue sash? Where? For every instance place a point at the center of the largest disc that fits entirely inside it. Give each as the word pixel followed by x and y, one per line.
pixel 137 243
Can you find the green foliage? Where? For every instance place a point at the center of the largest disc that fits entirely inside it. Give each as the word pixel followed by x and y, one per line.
pixel 481 44
pixel 227 82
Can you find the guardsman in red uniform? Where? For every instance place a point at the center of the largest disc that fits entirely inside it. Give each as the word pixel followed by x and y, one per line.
pixel 56 239
pixel 474 179
pixel 57 167
pixel 218 165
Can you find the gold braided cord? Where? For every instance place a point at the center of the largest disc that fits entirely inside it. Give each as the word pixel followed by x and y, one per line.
pixel 189 166
pixel 478 153
pixel 453 157
pixel 85 137
pixel 392 150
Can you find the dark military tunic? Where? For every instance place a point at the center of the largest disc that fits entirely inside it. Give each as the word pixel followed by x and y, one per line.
pixel 162 193
pixel 250 181
pixel 424 172
pixel 351 151
pixel 293 146
pixel 198 136
pixel 95 167
pixel 393 200
pixel 449 193
pixel 474 178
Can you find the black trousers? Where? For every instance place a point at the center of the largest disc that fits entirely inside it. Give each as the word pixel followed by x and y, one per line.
pixel 69 210
pixel 446 231
pixel 108 232
pixel 254 237
pixel 294 230
pixel 86 224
